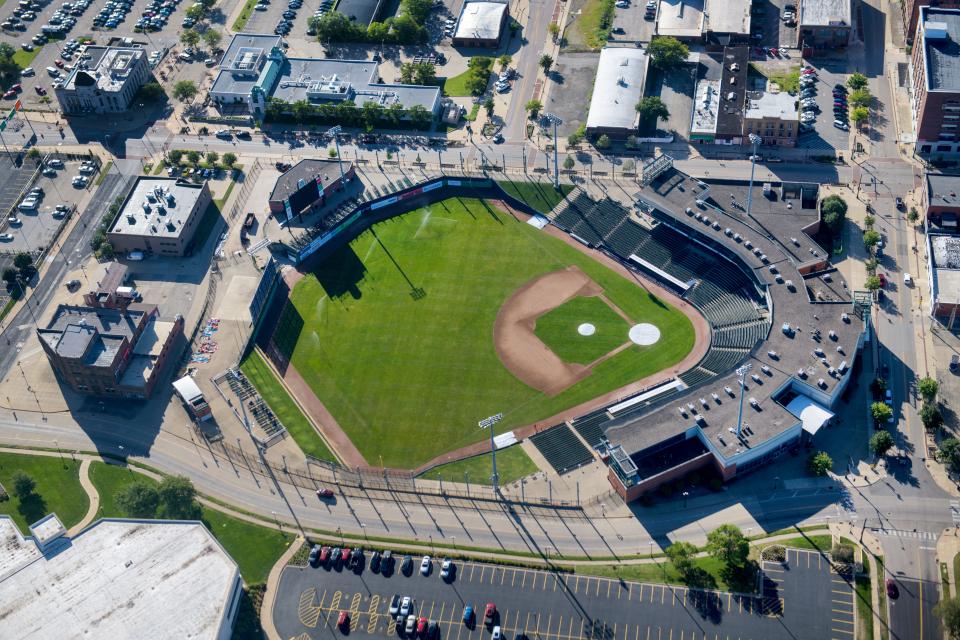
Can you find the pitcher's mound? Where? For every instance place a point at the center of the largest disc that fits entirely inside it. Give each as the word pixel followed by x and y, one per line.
pixel 586 329
pixel 644 334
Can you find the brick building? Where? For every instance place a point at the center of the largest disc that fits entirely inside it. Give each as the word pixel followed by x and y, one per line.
pixel 159 216
pixel 935 77
pixel 772 116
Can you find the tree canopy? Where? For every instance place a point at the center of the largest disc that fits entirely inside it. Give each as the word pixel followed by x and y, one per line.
pixel 652 108
pixel 681 554
pixel 949 611
pixel 881 442
pixel 880 411
pixel 184 90
pixel 728 544
pixel 928 388
pixel 178 499
pixel 667 53
pixel 23 484
pixel 857 81
pixel 820 463
pixel 138 500
pixel 834 211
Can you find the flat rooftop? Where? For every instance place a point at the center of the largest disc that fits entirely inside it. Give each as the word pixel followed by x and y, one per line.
pixel 116 579
pixel 680 18
pixel 781 106
pixel 706 107
pixel 243 44
pixel 941 31
pixel 618 86
pixel 157 207
pixel 733 90
pixel 108 70
pixel 480 20
pixel 99 333
pixel 728 16
pixel 943 190
pixel 825 13
pixel 946 267
pixel 306 170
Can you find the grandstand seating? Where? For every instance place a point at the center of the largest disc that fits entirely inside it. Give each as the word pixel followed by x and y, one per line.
pixel 722 359
pixel 695 376
pixel 590 426
pixel 561 448
pixel 740 335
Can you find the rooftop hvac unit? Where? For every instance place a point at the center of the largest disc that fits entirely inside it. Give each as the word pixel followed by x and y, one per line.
pixel 845 317
pixel 842 367
pixel 716 398
pixel 682 411
pixel 832 334
pixel 703 401
pixel 755 378
pixel 766 370
pixel 822 383
pixel 748 244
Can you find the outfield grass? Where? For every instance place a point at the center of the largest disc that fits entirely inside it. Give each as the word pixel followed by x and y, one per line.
pixel 254 548
pixel 558 330
pixel 538 195
pixel 58 489
pixel 280 402
pixel 513 463
pixel 393 332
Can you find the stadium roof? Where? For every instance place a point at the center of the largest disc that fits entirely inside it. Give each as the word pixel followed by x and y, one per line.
pixel 480 20
pixel 941 33
pixel 117 579
pixel 307 169
pixel 618 87
pixel 825 13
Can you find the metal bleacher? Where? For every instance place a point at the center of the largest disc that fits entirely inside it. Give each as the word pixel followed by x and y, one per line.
pixel 590 426
pixel 253 403
pixel 561 448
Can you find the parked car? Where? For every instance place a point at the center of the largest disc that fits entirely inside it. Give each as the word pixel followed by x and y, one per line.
pixel 324 555
pixel 6 237
pixel 394 606
pixel 411 625
pixel 497 634
pixel 406 567
pixel 446 569
pixel 343 620
pixel 314 558
pixel 325 493
pixel 489 613
pixel 892 591
pixel 406 606
pixel 907 279
pixel 375 562
pixel 468 614
pixel 425 565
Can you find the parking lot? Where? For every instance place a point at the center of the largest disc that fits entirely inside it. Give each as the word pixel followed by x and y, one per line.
pixel 825 136
pixel 544 605
pixel 631 21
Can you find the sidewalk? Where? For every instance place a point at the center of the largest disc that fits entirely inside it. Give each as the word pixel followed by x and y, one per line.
pixel 266 607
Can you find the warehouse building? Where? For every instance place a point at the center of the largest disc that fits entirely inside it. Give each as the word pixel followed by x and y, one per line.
pixel 116 579
pixel 618 87
pixel 825 25
pixel 481 23
pixel 105 83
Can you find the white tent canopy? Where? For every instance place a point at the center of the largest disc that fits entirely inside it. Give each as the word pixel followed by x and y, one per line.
pixel 812 414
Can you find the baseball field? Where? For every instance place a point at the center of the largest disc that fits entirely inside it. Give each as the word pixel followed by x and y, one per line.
pixel 434 319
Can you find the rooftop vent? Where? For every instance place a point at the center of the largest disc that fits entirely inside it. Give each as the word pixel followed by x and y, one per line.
pixel 822 383
pixel 716 398
pixel 755 378
pixel 935 30
pixel 845 318
pixel 754 403
pixel 766 370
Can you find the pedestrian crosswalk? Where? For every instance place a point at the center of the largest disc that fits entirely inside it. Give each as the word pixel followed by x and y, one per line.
pixel 955 512
pixel 901 533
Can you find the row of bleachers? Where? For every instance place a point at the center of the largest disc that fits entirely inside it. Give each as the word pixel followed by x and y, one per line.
pixel 744 336
pixel 722 306
pixel 722 359
pixel 695 376
pixel 562 448
pixel 590 426
pixel 573 210
pixel 627 239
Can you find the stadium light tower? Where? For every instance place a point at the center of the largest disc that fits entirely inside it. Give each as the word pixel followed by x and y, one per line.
pixel 335 131
pixel 554 120
pixel 755 140
pixel 742 374
pixel 487 423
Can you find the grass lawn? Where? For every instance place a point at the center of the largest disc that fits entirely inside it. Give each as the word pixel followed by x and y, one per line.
pixel 592 26
pixel 455 86
pixel 104 170
pixel 241 20
pixel 539 195
pixel 513 463
pixel 58 489
pixel 558 330
pixel 788 80
pixel 819 542
pixel 880 586
pixel 226 196
pixel 864 607
pixel 255 548
pixel 25 58
pixel 709 572
pixel 289 413
pixel 393 331
pixel 474 110
pixel 956 568
pixel 6 307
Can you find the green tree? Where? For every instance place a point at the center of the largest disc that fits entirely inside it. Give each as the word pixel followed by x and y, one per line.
pixel 229 158
pixel 577 136
pixel 34 154
pixel 629 165
pixel 422 73
pixel 22 260
pixel 534 107
pixel 505 61
pixel 872 283
pixel 727 544
pixel 820 463
pixel 871 238
pixel 857 81
pixel 138 500
pixel 928 387
pixel 651 109
pixel 868 221
pixel 105 251
pixel 878 386
pixel 871 265
pixel 949 453
pixel 834 212
pixel 178 499
pixel 860 98
pixel 949 611
pixel 174 156
pixel 150 92
pixel 568 162
pixel 10 275
pixel 212 38
pixel 603 142
pixel 23 484
pixel 930 415
pixel 881 442
pixel 545 63
pixel 189 37
pixel 554 29
pixel 681 554
pixel 212 157
pixel 488 106
pixel 913 215
pixel 859 115
pixel 667 53
pixel 184 90
pixel 302 110
pixel 880 412
pixel 193 157
pixel 419 116
pixel 196 12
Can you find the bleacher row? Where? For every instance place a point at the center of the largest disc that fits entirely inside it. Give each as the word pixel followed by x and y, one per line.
pixel 248 395
pixel 590 426
pixel 561 448
pixel 723 293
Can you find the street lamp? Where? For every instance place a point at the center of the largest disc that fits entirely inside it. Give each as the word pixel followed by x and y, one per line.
pixel 742 374
pixel 755 140
pixel 685 495
pixel 487 423
pixel 554 120
pixel 335 131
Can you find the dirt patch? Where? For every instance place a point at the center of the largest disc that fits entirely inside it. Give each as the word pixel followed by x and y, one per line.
pixel 518 347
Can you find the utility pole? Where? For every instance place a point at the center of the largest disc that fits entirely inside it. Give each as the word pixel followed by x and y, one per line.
pixel 488 423
pixel 742 374
pixel 556 153
pixel 335 131
pixel 756 140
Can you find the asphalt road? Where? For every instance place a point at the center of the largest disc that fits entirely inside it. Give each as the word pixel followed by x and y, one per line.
pixel 910 615
pixel 551 606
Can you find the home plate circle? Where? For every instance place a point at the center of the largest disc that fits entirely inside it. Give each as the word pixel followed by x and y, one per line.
pixel 586 329
pixel 644 334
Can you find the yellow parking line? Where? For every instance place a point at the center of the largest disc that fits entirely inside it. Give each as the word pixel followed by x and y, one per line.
pixel 729 600
pixel 842 631
pixel 841 621
pixel 570 629
pixel 493 574
pixel 526 625
pixel 663 593
pixel 580 635
pixel 556 579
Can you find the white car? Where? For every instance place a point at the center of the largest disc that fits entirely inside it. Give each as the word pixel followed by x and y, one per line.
pixel 28 204
pixel 55 163
pixel 406 606
pixel 28 72
pixel 907 279
pixel 79 181
pixel 497 633
pixel 13 220
pixel 86 167
pixel 621 4
pixel 425 565
pixel 6 237
pixel 446 569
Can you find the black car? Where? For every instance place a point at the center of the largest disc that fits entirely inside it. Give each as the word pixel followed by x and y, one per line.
pixel 406 567
pixel 375 562
pixel 356 558
pixel 433 630
pixel 315 555
pixel 335 557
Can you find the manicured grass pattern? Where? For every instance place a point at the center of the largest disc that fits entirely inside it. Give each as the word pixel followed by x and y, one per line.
pixel 284 407
pixel 455 86
pixel 558 330
pixel 254 548
pixel 393 331
pixel 541 196
pixel 104 170
pixel 513 463
pixel 58 489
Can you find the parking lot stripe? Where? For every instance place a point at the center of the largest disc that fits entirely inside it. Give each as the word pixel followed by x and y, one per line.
pixel 609 584
pixel 580 634
pixel 842 621
pixel 570 629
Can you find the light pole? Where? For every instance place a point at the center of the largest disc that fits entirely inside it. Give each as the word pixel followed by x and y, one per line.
pixel 554 120
pixel 335 131
pixel 686 494
pixel 742 374
pixel 487 423
pixel 755 140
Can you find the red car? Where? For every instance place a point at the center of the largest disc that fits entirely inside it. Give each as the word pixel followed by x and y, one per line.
pixel 892 591
pixel 324 555
pixel 343 620
pixel 421 626
pixel 9 94
pixel 883 279
pixel 809 72
pixel 324 493
pixel 17 87
pixel 59 63
pixel 344 555
pixel 489 613
pixel 40 91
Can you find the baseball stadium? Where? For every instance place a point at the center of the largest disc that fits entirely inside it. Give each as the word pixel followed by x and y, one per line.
pixel 661 333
